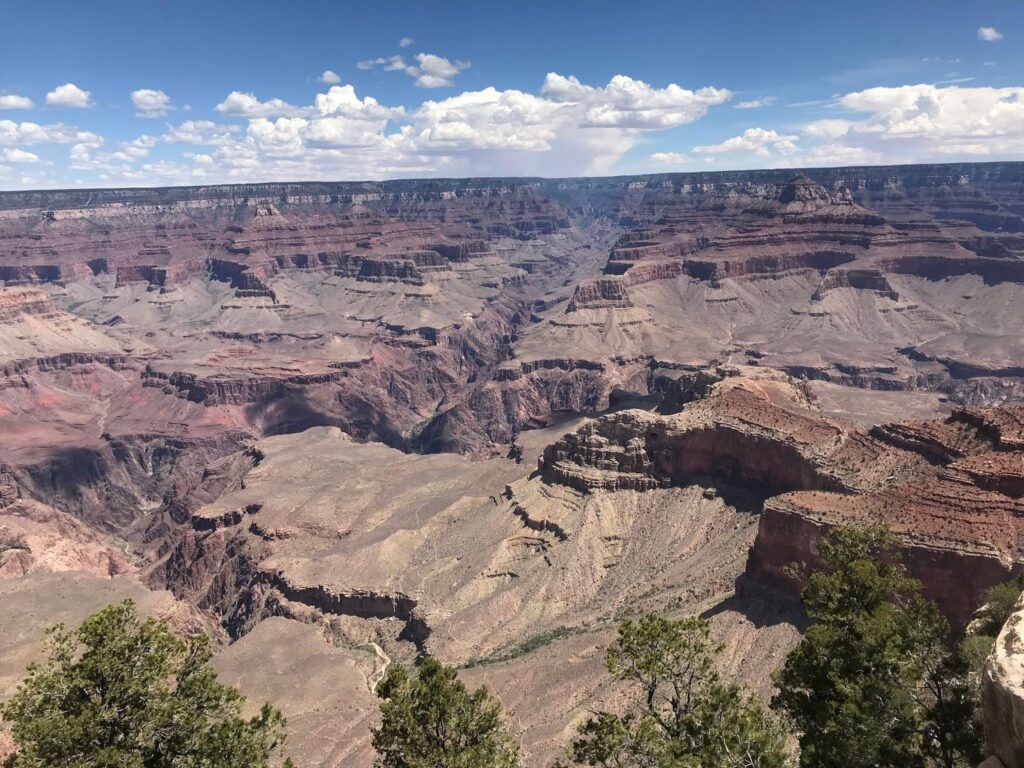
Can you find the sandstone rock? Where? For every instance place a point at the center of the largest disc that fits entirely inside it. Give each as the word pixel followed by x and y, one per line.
pixel 34 537
pixel 952 489
pixel 1002 693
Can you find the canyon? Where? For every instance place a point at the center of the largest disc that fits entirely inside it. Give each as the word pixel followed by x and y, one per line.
pixel 343 425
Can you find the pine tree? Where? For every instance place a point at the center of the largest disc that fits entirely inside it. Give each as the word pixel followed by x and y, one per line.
pixel 430 720
pixel 874 681
pixel 120 692
pixel 683 714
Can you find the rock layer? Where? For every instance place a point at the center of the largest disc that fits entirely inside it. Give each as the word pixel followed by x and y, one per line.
pixel 237 380
pixel 950 489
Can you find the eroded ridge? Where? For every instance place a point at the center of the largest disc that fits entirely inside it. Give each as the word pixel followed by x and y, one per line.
pixel 953 489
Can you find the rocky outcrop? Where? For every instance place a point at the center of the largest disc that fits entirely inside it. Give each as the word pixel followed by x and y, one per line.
pixel 163 349
pixel 1002 693
pixel 23 302
pixel 517 397
pixel 390 270
pixel 950 489
pixel 956 568
pixel 750 430
pixel 224 390
pixel 600 293
pixel 112 483
pixel 159 276
pixel 461 252
pixel 958 517
pixel 361 604
pixel 37 538
pixel 858 279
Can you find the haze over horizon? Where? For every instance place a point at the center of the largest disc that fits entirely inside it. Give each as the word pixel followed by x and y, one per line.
pixel 126 94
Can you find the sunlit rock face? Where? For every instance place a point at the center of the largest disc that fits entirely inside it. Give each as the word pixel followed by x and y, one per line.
pixel 1002 693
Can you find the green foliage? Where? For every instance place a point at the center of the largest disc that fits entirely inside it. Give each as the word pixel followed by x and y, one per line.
pixel 527 646
pixel 414 435
pixel 431 720
pixel 999 605
pixel 124 693
pixel 873 682
pixel 684 715
pixel 978 645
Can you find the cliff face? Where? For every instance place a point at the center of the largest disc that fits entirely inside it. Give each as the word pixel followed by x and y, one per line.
pixel 467 311
pixel 1002 693
pixel 149 332
pixel 141 329
pixel 740 477
pixel 951 489
pixel 464 559
pixel 958 518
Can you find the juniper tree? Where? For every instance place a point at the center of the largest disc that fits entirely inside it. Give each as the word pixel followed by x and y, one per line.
pixel 120 692
pixel 683 715
pixel 431 720
pixel 875 681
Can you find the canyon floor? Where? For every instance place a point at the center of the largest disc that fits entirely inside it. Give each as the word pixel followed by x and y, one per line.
pixel 338 426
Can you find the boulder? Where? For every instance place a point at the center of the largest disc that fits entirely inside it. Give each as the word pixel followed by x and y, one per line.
pixel 1002 693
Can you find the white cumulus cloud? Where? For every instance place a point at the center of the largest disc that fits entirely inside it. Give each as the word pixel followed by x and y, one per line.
pixel 16 155
pixel 989 34
pixel 565 128
pixel 69 95
pixel 329 77
pixel 487 119
pixel 435 71
pixel 341 100
pixel 151 103
pixel 238 104
pixel 629 103
pixel 429 71
pixel 829 128
pixel 918 123
pixel 759 141
pixel 12 132
pixel 202 132
pixel 936 115
pixel 669 158
pixel 15 102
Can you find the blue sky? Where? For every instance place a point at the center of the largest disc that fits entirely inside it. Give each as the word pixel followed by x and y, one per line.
pixel 152 93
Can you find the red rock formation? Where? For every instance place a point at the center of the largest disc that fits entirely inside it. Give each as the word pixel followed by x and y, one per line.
pixel 952 490
pixel 404 309
pixel 35 537
pixel 600 293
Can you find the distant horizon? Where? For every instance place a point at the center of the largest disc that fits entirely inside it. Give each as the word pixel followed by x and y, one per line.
pixel 128 94
pixel 440 179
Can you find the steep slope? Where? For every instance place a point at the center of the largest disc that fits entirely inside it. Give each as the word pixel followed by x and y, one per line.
pixel 953 489
pixel 469 561
pixel 166 329
pixel 781 271
pixel 1002 693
